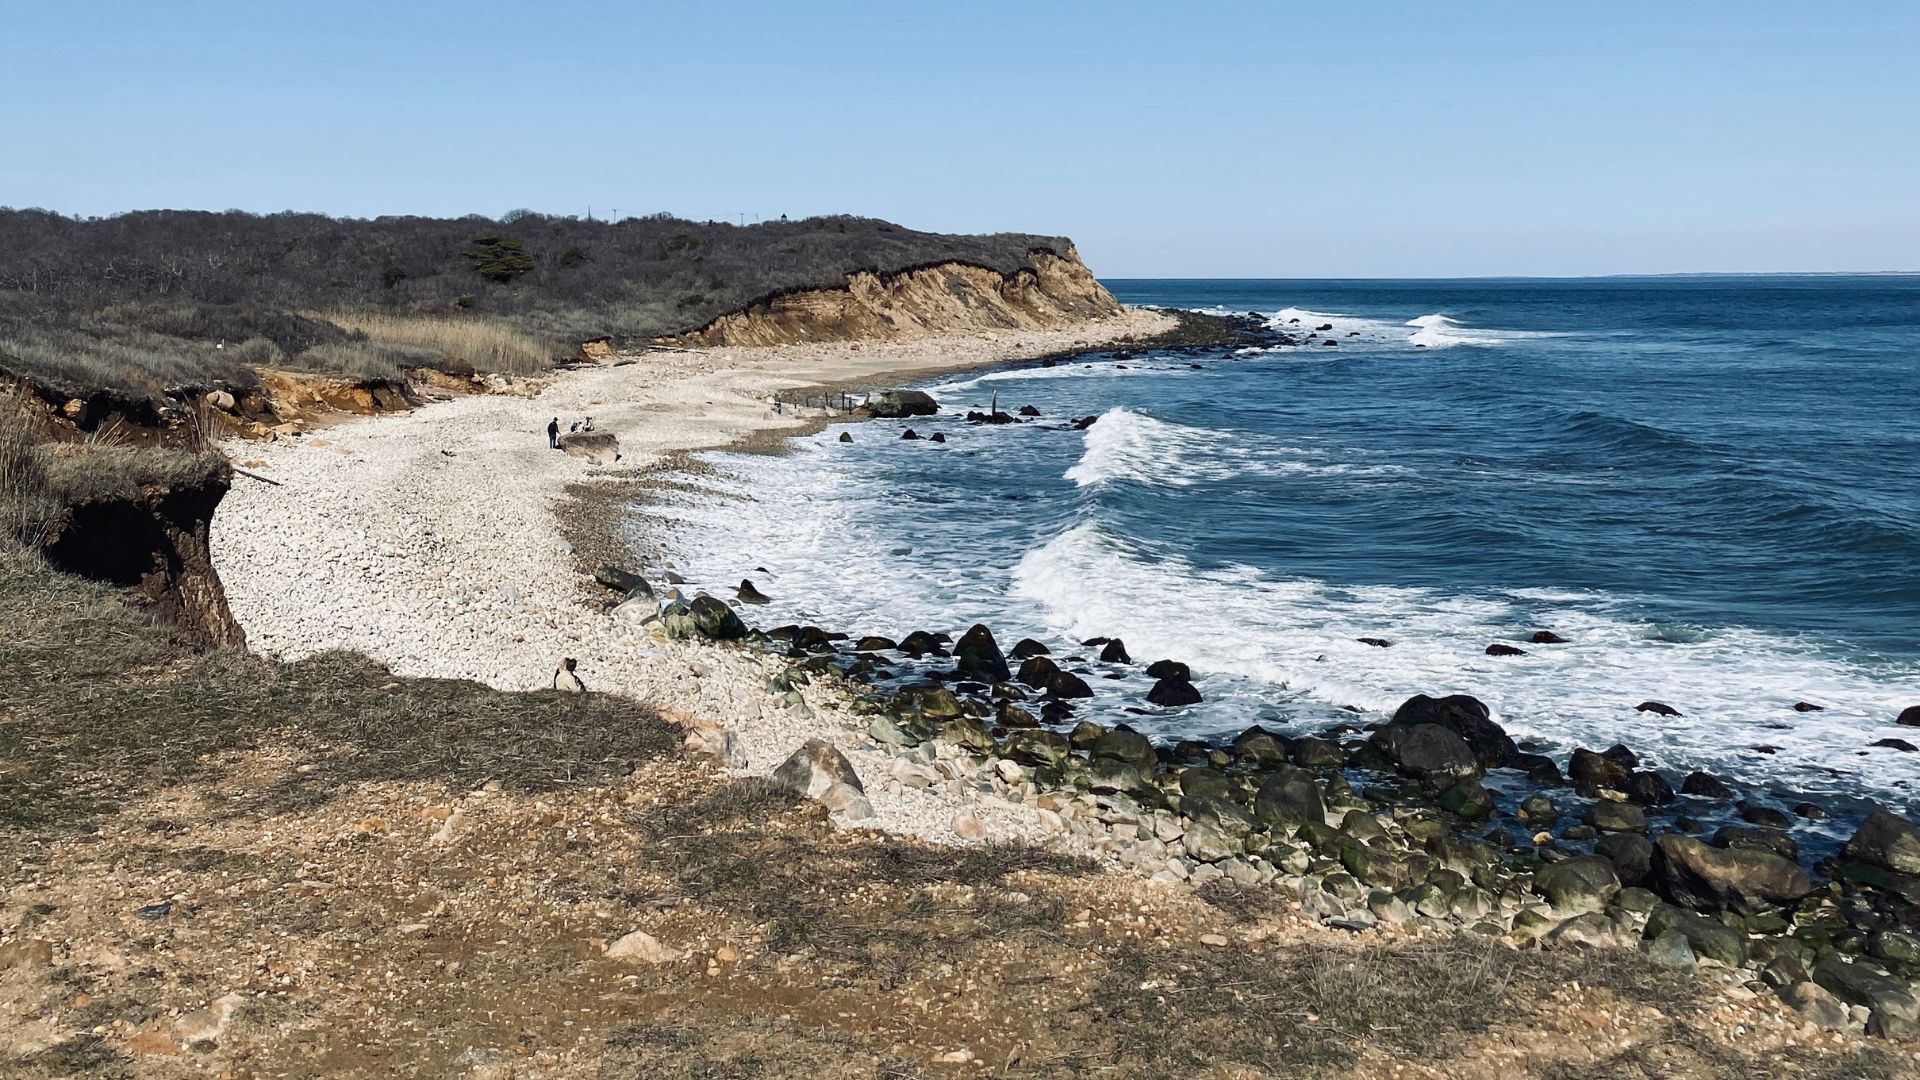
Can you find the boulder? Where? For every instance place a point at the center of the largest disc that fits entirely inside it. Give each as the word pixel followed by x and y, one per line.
pixel 598 447
pixel 1038 671
pixel 1026 648
pixel 1109 775
pixel 712 618
pixel 1259 748
pixel 1288 797
pixel 1201 780
pixel 1630 853
pixel 1581 884
pixel 1039 747
pixel 1468 799
pixel 1609 816
pixel 1376 642
pixel 1467 717
pixel 1428 752
pixel 625 582
pixel 747 594
pixel 814 768
pixel 1657 708
pixel 1818 1005
pixel 1169 669
pixel 1125 744
pixel 1314 752
pixel 1749 836
pixel 1547 637
pixel 910 434
pixel 1745 881
pixel 1066 684
pixel 1115 652
pixel 1901 745
pixel 938 437
pixel 1705 786
pixel 1885 854
pixel 1909 716
pixel 1597 770
pixel 1173 693
pixel 1649 789
pixel 895 404
pixel 1756 814
pixel 846 436
pixel 979 657
pixel 920 643
pixel 1710 939
pixel 1500 649
pixel 1896 1010
pixel 875 643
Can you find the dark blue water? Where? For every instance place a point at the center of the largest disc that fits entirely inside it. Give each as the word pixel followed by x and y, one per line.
pixel 1710 486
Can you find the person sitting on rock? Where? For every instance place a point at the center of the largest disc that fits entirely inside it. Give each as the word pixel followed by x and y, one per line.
pixel 587 424
pixel 553 433
pixel 565 679
pixel 574 428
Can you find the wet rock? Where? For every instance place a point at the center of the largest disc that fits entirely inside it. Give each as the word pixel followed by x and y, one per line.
pixel 1026 648
pixel 1597 770
pixel 814 768
pixel 1085 734
pixel 1038 671
pixel 1746 836
pixel 896 404
pixel 1110 775
pixel 1539 810
pixel 1011 716
pixel 979 657
pixel 1467 717
pixel 1705 786
pixel 1756 814
pixel 1630 853
pixel 1028 410
pixel 1884 854
pixel 1115 652
pixel 1467 799
pixel 1649 789
pixel 1746 881
pixel 920 643
pixel 1909 716
pixel 1609 816
pixel 1619 754
pixel 1901 745
pixel 625 582
pixel 1547 637
pixel 909 434
pixel 1500 649
pixel 1169 669
pixel 1173 693
pixel 1378 643
pixel 1259 748
pixel 846 436
pixel 1581 884
pixel 937 437
pixel 875 644
pixel 1314 752
pixel 747 594
pixel 1657 708
pixel 1066 684
pixel 1428 752
pixel 1807 706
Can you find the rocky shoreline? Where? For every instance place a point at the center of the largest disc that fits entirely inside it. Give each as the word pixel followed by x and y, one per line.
pixel 428 542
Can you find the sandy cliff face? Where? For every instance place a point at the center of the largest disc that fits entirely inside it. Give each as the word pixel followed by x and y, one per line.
pixel 1057 291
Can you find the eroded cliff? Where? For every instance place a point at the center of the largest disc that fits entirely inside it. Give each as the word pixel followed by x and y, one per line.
pixel 1057 290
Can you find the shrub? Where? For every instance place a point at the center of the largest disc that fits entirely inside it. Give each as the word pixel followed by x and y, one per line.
pixel 499 258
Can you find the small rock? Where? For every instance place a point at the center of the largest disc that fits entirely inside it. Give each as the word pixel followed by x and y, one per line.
pixel 640 947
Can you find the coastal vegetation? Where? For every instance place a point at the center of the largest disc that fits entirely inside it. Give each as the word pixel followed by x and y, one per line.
pixel 154 303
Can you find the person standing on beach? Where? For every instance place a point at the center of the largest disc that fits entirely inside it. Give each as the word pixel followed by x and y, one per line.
pixel 565 679
pixel 553 433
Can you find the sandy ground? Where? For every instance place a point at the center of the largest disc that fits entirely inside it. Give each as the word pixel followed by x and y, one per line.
pixel 429 540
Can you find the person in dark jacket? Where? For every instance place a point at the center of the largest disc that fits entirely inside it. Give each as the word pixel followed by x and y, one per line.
pixel 553 433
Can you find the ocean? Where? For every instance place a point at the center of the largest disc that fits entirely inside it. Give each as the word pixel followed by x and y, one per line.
pixel 1709 486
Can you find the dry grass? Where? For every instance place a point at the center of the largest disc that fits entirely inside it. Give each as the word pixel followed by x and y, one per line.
pixel 479 343
pixel 98 703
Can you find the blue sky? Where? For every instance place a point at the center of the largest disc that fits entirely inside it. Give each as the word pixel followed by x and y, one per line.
pixel 1361 139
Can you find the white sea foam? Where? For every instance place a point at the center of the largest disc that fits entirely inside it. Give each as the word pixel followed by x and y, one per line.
pixel 1734 686
pixel 1127 445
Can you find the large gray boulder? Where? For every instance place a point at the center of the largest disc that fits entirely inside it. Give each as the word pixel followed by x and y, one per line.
pixel 893 404
pixel 815 767
pixel 1746 881
pixel 1289 797
pixel 1896 1009
pixel 1467 717
pixel 706 616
